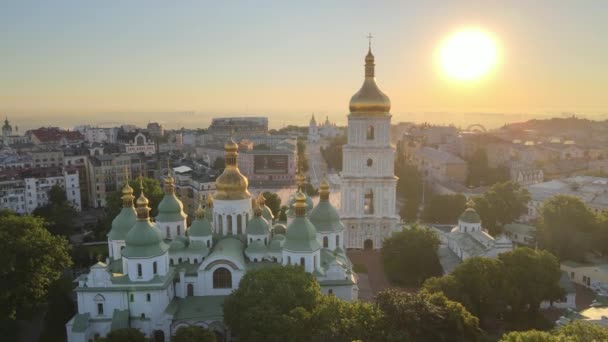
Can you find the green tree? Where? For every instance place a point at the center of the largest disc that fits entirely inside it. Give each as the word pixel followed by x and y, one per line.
pixel 32 259
pixel 504 203
pixel 477 283
pixel 58 213
pixel 580 331
pixel 410 256
pixel 332 154
pixel 219 164
pixel 481 174
pixel 259 310
pixel 566 226
pixel 273 201
pixel 123 335
pixel 60 309
pixel 283 213
pixel 444 208
pixel 193 333
pixel 524 266
pixel 302 157
pixel 425 317
pixel 529 336
pixel 409 187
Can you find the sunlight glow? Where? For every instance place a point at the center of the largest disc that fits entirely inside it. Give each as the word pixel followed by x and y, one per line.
pixel 468 55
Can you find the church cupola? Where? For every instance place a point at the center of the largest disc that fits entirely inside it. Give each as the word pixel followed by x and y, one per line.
pixel 231 184
pixel 171 216
pixel 123 222
pixel 469 220
pixel 201 229
pixel 301 246
pixel 266 212
pixel 326 220
pixel 370 99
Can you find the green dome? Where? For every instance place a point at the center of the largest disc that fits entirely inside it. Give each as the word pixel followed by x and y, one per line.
pixel 170 209
pixel 257 226
pixel 200 227
pixel 325 218
pixel 144 241
pixel 292 201
pixel 301 236
pixel 256 247
pixel 122 223
pixel 177 245
pixel 279 229
pixel 267 213
pixel 470 216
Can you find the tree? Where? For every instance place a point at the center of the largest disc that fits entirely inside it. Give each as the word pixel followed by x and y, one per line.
pixel 410 256
pixel 524 266
pixel 577 331
pixel 193 333
pixel 566 226
pixel 32 259
pixel 444 208
pixel 273 201
pixel 124 335
pixel 476 283
pixel 332 154
pixel 502 204
pixel 481 174
pixel 58 213
pixel 409 187
pixel 59 309
pixel 283 213
pixel 219 164
pixel 302 158
pixel 425 317
pixel 529 336
pixel 259 309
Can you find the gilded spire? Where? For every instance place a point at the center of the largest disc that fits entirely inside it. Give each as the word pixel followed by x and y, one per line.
pixel 324 190
pixel 300 205
pixel 209 203
pixel 127 192
pixel 169 180
pixel 143 211
pixel 200 212
pixel 370 99
pixel 231 184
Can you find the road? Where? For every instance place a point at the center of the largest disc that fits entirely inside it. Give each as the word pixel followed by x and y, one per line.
pixel 317 166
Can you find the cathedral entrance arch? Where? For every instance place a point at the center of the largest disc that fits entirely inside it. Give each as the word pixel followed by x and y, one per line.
pixel 368 244
pixel 159 336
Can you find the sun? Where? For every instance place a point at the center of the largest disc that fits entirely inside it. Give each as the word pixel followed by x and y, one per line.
pixel 468 55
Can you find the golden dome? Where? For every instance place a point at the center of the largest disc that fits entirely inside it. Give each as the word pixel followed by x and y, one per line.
pixel 209 200
pixel 370 99
pixel 324 190
pixel 300 200
pixel 231 184
pixel 143 211
pixel 200 212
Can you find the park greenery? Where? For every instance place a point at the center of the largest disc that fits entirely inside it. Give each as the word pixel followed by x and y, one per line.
pixel 33 260
pixel 410 256
pixel 273 202
pixel 409 189
pixel 332 154
pixel 193 333
pixel 577 331
pixel 302 158
pixel 494 288
pixel 294 309
pixel 502 204
pixel 444 208
pixel 481 174
pixel 58 213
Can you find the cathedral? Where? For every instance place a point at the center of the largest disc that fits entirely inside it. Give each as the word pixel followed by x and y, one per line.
pixel 162 274
pixel 368 208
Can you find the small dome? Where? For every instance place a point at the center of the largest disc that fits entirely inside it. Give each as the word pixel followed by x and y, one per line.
pixel 231 184
pixel 231 146
pixel 144 240
pixel 257 226
pixel 279 229
pixel 177 245
pixel 470 216
pixel 325 218
pixel 170 209
pixel 201 227
pixel 257 247
pixel 301 236
pixel 122 223
pixel 369 99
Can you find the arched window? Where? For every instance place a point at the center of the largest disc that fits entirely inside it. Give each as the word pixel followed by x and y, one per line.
pixel 190 290
pixel 370 162
pixel 195 260
pixel 168 233
pixel 220 224
pixel 154 268
pixel 370 133
pixel 337 241
pixel 302 262
pixel 229 223
pixel 222 278
pixel 179 230
pixel 148 297
pixel 179 260
pixel 239 224
pixel 171 262
pixel 131 298
pixel 100 309
pixel 368 202
pixel 140 140
pixel 325 242
pixel 139 271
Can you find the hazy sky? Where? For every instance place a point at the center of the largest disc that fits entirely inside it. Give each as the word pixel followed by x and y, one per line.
pixel 285 57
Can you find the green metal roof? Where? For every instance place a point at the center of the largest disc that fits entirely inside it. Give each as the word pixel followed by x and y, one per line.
pixel 301 236
pixel 122 223
pixel 176 246
pixel 144 241
pixel 230 247
pixel 256 247
pixel 170 209
pixel 470 216
pixel 325 218
pixel 81 322
pixel 198 246
pixel 120 319
pixel 200 227
pixel 519 228
pixel 258 226
pixel 267 213
pixel 207 308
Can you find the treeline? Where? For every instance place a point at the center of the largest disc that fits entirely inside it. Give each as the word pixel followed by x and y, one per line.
pixel 332 154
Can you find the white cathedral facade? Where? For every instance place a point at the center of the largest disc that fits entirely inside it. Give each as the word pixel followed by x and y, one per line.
pixel 368 194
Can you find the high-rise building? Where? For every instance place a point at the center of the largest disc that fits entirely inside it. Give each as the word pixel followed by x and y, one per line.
pixel 368 180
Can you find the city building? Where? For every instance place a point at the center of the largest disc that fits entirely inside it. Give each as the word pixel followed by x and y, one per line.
pixel 155 129
pixel 98 135
pixel 161 276
pixel 313 130
pixel 521 234
pixel 525 175
pixel 469 239
pixel 238 125
pixel 54 136
pixel 10 136
pixel 440 166
pixel 136 142
pixel 107 172
pixel 368 190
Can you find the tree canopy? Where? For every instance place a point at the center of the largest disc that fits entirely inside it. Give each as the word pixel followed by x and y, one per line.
pixel 32 259
pixel 193 333
pixel 124 335
pixel 409 187
pixel 58 213
pixel 333 152
pixel 273 201
pixel 577 331
pixel 480 173
pixel 503 203
pixel 410 256
pixel 444 208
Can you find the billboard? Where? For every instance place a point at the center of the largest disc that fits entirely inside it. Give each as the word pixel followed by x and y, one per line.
pixel 270 164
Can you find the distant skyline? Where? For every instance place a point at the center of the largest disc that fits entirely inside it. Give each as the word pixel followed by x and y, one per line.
pixel 72 61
